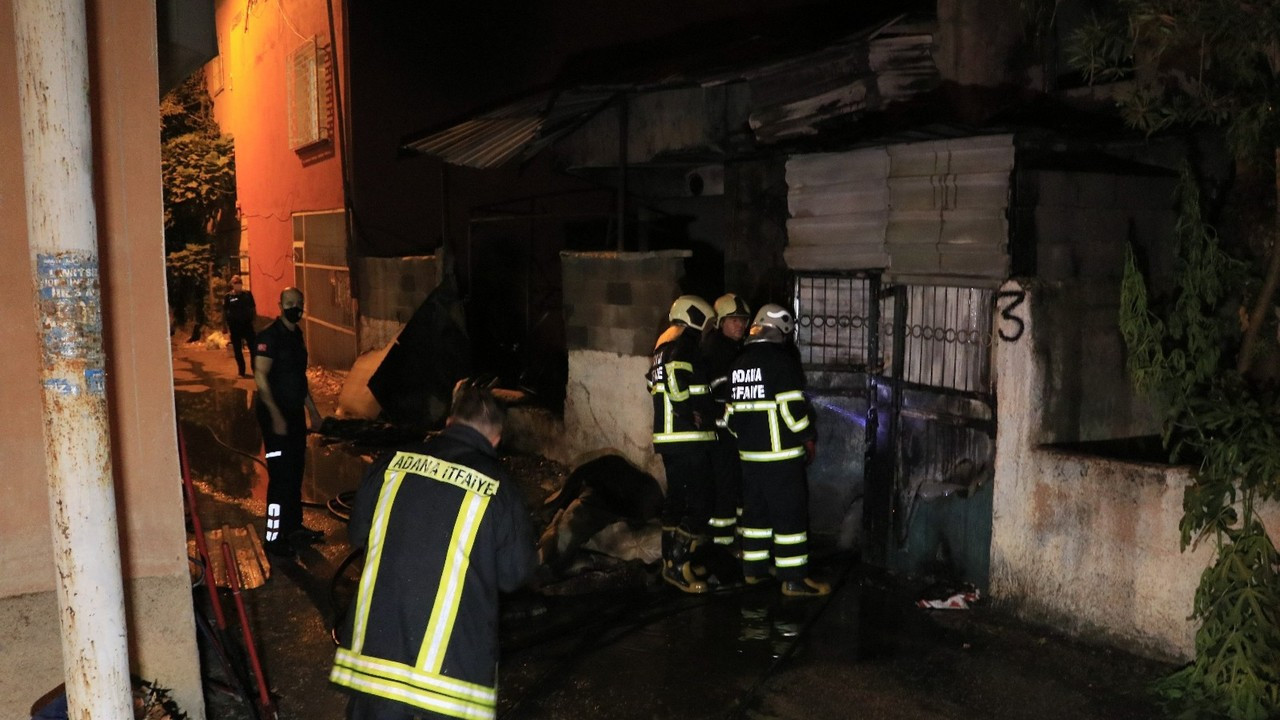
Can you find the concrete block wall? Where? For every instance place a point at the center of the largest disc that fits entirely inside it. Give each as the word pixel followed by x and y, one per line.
pixel 1085 544
pixel 615 306
pixel 392 289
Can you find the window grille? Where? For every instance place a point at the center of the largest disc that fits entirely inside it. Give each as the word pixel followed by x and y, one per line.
pixel 835 320
pixel 308 89
pixel 947 337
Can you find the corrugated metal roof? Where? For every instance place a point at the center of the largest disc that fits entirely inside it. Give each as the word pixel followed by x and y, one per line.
pixel 512 132
pixel 801 76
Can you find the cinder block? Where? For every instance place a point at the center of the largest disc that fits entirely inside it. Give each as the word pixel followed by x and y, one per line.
pixel 576 337
pixel 618 293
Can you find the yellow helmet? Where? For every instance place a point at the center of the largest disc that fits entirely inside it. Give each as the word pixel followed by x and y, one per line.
pixel 691 310
pixel 730 305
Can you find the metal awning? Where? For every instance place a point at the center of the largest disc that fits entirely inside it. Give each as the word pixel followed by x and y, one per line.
pixel 513 132
pixel 744 50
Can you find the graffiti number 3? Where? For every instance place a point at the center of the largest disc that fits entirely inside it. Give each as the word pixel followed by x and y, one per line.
pixel 1006 313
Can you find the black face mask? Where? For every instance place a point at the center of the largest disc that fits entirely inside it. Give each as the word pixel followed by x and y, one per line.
pixel 293 314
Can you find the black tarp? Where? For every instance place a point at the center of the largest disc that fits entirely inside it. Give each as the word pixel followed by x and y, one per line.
pixel 415 381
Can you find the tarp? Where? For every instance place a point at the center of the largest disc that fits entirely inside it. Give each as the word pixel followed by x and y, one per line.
pixel 415 381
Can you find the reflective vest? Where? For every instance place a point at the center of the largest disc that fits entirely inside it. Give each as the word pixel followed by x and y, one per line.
pixel 678 384
pixel 766 410
pixel 444 531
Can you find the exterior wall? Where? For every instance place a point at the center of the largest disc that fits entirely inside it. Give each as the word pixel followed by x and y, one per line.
pixel 976 41
pixel 1085 544
pixel 756 231
pixel 619 304
pixel 249 85
pixel 1082 223
pixel 393 290
pixel 149 501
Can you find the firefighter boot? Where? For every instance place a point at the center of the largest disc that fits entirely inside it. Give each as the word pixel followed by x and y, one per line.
pixel 805 588
pixel 675 565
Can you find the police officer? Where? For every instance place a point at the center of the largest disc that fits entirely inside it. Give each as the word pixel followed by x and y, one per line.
pixel 238 310
pixel 720 346
pixel 683 434
pixel 768 414
pixel 444 531
pixel 282 405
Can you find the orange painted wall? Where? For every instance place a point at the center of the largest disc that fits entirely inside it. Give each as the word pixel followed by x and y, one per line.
pixel 249 86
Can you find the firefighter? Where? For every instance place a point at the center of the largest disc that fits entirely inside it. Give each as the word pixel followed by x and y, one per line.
pixel 720 346
pixel 444 530
pixel 768 414
pixel 683 434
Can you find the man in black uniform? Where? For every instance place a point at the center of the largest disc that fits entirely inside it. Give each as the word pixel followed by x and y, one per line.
pixel 444 531
pixel 282 406
pixel 683 434
pixel 769 416
pixel 239 311
pixel 720 347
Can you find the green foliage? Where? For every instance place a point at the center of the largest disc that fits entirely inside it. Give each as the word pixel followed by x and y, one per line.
pixel 1193 61
pixel 1179 352
pixel 197 162
pixel 199 179
pixel 198 169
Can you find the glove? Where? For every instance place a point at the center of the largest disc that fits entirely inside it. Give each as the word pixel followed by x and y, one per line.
pixel 810 449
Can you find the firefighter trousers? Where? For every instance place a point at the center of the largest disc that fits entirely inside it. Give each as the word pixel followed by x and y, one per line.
pixel 688 501
pixel 775 519
pixel 727 489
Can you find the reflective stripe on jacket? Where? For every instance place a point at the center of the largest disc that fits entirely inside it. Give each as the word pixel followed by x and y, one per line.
pixel 766 409
pixel 678 383
pixel 444 532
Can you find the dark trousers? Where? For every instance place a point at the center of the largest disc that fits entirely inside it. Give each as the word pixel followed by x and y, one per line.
pixel 286 458
pixel 688 501
pixel 775 519
pixel 727 489
pixel 241 333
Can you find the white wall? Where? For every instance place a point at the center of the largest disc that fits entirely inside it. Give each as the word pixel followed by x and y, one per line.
pixel 1086 544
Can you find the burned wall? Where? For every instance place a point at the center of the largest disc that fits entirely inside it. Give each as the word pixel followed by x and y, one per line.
pixel 756 231
pixel 1082 223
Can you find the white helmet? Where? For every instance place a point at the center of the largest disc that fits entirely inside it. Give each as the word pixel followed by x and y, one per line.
pixel 773 323
pixel 730 305
pixel 691 310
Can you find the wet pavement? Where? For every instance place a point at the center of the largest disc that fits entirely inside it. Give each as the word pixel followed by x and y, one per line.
pixel 616 643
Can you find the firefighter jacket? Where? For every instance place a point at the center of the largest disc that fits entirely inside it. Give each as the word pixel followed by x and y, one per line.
pixel 678 383
pixel 766 409
pixel 719 351
pixel 444 531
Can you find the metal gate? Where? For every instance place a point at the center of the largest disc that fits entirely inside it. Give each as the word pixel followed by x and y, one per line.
pixel 915 360
pixel 321 273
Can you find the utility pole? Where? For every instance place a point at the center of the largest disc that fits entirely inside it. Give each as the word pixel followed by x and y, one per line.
pixel 57 163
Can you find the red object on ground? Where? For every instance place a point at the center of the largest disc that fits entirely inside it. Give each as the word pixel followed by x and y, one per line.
pixel 201 547
pixel 233 579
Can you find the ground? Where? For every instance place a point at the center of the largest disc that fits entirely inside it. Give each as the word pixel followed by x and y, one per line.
pixel 615 642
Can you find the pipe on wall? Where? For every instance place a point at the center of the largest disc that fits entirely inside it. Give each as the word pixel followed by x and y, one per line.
pixel 57 158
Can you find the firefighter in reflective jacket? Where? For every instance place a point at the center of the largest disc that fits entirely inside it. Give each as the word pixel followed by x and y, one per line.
pixel 444 531
pixel 720 347
pixel 768 414
pixel 683 434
